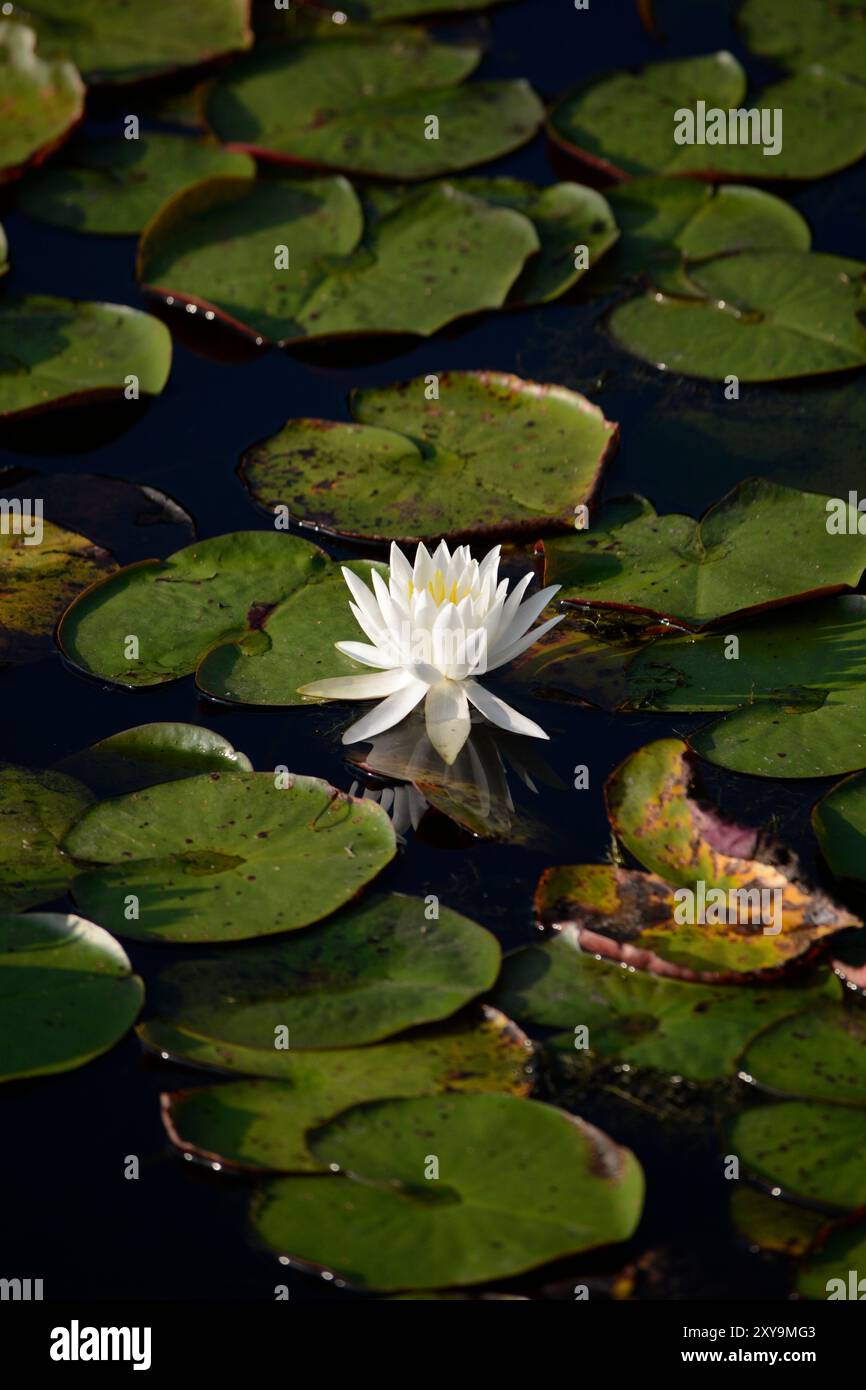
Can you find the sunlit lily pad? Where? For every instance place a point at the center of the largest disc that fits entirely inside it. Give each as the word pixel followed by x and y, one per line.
pixel 625 123
pixel 692 1030
pixel 152 753
pixel 812 31
pixel 793 702
pixel 360 101
pixel 839 821
pixel 819 1054
pixel 226 856
pixel 113 41
pixel 40 100
pixel 667 222
pixel 767 316
pixel 370 972
pixel 42 569
pixel 696 572
pixel 387 1226
pixel 117 185
pixel 262 1124
pixel 36 810
pixel 63 351
pixel 490 455
pixel 439 254
pixel 68 993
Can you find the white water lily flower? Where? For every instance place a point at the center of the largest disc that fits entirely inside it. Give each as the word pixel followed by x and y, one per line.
pixel 433 628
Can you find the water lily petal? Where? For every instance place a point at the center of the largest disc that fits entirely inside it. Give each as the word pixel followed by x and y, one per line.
pixel 367 655
pixel 499 713
pixel 526 615
pixel 446 716
pixel 514 649
pixel 360 687
pixel 389 713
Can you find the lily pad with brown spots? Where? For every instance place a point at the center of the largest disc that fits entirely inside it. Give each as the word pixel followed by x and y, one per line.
pixel 42 569
pixel 37 808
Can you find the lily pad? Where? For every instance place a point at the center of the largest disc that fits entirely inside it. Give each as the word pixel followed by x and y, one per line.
pixel 771 1224
pixel 839 822
pixel 63 351
pixel 150 754
pixel 491 455
pixel 484 1217
pixel 261 1125
pixel 827 1273
pixel 767 316
pixel 68 993
pixel 384 11
pixel 697 572
pixel 438 255
pixel 666 223
pixel 36 810
pixel 370 972
pixel 695 1031
pixel 819 1054
pixel 42 569
pixel 41 100
pixel 112 41
pixel 625 123
pixel 793 702
pixel 226 856
pixel 831 32
pixel 116 186
pixel 361 101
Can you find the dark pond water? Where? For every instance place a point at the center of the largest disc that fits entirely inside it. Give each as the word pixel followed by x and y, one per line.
pixel 180 1232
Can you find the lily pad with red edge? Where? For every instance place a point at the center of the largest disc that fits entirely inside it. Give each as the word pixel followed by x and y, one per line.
pixel 489 455
pixel 225 856
pixel 436 256
pixel 380 1225
pixel 36 810
pixel 112 41
pixel 624 124
pixel 42 569
pixel 58 352
pixel 40 100
pixel 696 573
pixel 839 822
pixel 832 1269
pixel 260 1126
pixel 69 994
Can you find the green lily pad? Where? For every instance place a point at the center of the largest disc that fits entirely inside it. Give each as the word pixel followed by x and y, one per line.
pixel 68 993
pixel 261 1125
pixel 839 822
pixel 491 455
pixel 771 1224
pixel 152 753
pixel 64 351
pixel 41 100
pixel 438 255
pixel 793 702
pixel 38 578
pixel 360 101
pixel 384 11
pixel 625 123
pixel 767 316
pixel 226 856
pixel 370 972
pixel 831 32
pixel 819 1054
pixel 666 223
pixel 484 1217
pixel 697 572
pixel 116 186
pixel 113 41
pixel 36 810
pixel 811 1152
pixel 827 1272
pixel 695 1031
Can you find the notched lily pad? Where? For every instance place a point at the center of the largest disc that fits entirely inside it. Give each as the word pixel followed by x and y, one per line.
pixel 36 810
pixel 152 753
pixel 40 100
pixel 42 569
pixel 57 352
pixel 697 572
pixel 370 972
pixel 226 856
pixel 362 101
pixel 839 822
pixel 288 260
pixel 387 1226
pixel 491 455
pixel 261 1125
pixel 68 992
pixel 116 186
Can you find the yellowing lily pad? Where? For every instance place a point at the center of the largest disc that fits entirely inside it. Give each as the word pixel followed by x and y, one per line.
pixel 57 352
pixel 226 856
pixel 489 455
pixel 42 569
pixel 68 994
pixel 40 100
